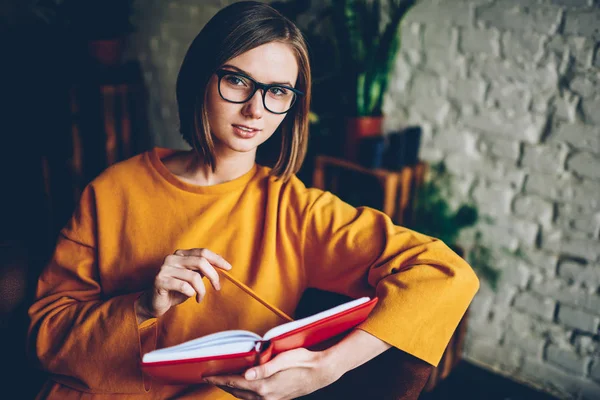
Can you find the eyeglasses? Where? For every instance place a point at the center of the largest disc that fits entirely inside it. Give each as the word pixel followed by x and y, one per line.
pixel 236 87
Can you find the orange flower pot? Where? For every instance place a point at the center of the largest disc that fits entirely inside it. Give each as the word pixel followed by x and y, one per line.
pixel 358 128
pixel 107 52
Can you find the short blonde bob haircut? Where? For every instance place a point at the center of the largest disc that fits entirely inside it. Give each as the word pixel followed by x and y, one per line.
pixel 232 31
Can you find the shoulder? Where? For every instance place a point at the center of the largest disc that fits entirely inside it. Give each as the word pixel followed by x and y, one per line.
pixel 128 170
pixel 297 197
pixel 106 189
pixel 124 169
pixel 293 188
pixel 123 176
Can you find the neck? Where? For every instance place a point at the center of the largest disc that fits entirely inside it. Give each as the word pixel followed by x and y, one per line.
pixel 191 167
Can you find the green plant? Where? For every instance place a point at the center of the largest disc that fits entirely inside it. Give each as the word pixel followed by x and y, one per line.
pixel 367 47
pixel 315 23
pixel 480 258
pixel 433 216
pixel 314 19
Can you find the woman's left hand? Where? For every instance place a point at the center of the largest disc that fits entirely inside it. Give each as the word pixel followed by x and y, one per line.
pixel 289 375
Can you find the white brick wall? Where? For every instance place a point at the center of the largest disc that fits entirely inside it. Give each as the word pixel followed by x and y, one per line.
pixel 527 73
pixel 508 92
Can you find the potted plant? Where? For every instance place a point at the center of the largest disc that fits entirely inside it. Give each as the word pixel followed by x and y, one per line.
pixel 314 19
pixel 433 216
pixel 367 47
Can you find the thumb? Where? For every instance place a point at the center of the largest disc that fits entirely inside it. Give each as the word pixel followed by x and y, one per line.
pixel 286 360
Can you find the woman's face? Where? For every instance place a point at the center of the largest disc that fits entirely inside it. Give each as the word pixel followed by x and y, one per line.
pixel 241 128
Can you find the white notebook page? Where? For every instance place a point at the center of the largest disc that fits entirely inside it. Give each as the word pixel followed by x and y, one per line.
pixel 290 326
pixel 226 342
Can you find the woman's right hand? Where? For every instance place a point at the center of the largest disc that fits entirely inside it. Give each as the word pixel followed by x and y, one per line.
pixel 179 278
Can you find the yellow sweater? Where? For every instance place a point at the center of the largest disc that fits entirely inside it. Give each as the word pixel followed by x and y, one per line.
pixel 280 238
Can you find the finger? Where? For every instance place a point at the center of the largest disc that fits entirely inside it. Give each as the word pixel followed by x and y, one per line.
pixel 231 381
pixel 286 360
pixel 240 394
pixel 238 382
pixel 209 271
pixel 200 288
pixel 191 277
pixel 211 256
pixel 199 264
pixel 176 285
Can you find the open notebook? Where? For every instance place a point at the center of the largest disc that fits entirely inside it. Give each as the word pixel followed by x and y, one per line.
pixel 234 351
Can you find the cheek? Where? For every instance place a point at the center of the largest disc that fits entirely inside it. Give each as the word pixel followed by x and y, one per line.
pixel 219 111
pixel 213 100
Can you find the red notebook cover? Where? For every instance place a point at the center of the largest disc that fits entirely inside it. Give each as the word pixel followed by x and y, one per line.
pixel 323 331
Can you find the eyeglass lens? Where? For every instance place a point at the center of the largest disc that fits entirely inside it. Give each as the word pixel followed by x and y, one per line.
pixel 237 88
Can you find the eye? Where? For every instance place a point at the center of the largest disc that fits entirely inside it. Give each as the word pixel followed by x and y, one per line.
pixel 279 91
pixel 235 80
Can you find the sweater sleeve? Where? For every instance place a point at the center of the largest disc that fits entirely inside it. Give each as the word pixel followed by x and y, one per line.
pixel 85 340
pixel 424 288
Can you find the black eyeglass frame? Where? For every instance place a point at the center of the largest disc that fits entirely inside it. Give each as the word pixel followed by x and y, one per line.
pixel 257 85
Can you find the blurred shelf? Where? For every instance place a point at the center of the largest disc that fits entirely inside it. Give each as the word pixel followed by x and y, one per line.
pixel 399 187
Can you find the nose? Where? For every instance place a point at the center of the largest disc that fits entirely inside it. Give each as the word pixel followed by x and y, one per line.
pixel 254 107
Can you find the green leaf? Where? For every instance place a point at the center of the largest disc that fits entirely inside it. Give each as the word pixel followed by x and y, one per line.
pixel 466 216
pixel 352 21
pixel 367 50
pixel 360 104
pixel 480 259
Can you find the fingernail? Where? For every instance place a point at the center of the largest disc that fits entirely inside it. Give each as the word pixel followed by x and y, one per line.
pixel 251 374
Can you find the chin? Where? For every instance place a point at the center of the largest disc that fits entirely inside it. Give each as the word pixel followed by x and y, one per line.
pixel 236 146
pixel 244 150
pixel 244 145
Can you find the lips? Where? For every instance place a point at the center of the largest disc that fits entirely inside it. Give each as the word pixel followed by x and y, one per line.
pixel 246 128
pixel 244 131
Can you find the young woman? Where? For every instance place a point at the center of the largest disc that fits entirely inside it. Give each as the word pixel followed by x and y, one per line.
pixel 127 273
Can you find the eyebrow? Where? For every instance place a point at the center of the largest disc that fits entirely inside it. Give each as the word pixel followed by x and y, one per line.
pixel 246 73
